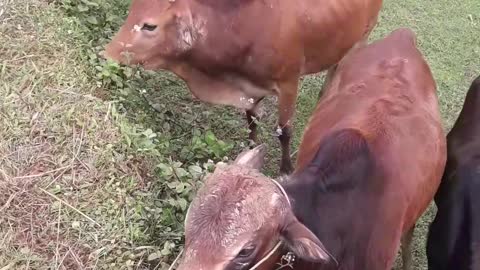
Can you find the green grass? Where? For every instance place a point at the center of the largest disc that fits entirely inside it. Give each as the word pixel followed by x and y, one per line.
pixel 84 137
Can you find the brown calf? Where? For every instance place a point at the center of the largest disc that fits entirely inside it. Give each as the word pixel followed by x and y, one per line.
pixel 235 52
pixel 369 164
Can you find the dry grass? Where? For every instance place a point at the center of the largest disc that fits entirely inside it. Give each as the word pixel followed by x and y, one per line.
pixel 76 176
pixel 56 138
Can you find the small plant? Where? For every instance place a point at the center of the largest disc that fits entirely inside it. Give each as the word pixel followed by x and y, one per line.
pixel 99 17
pixel 207 145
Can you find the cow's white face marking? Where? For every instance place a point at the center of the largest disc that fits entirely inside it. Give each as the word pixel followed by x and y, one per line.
pixel 136 28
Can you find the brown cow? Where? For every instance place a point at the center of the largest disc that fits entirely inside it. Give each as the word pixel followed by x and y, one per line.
pixel 369 164
pixel 235 52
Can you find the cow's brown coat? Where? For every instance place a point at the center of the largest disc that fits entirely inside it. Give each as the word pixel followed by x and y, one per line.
pixel 236 52
pixel 369 164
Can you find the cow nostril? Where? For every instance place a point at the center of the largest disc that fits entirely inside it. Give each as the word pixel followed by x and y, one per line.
pixel 149 27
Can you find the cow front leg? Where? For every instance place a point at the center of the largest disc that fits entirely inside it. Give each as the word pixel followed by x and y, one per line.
pixel 252 125
pixel 284 136
pixel 252 117
pixel 328 79
pixel 287 100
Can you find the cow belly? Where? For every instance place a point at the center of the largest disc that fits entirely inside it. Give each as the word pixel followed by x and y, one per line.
pixel 225 89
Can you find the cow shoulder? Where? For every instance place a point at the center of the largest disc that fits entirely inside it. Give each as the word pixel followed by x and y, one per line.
pixel 343 161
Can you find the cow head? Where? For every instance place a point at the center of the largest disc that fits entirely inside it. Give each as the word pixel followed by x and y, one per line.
pixel 154 31
pixel 238 216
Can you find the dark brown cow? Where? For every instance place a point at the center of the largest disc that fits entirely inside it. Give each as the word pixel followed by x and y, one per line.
pixel 454 235
pixel 369 164
pixel 235 52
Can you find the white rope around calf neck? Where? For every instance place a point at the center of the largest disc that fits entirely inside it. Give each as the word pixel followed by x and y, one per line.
pixel 175 261
pixel 180 253
pixel 277 246
pixel 267 256
pixel 283 191
pixel 289 257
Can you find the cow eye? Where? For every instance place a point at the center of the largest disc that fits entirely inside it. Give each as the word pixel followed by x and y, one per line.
pixel 246 253
pixel 149 27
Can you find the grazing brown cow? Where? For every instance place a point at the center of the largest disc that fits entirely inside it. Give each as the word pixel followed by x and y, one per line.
pixel 236 52
pixel 369 164
pixel 454 235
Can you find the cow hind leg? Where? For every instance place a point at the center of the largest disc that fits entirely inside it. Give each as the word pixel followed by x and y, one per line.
pixel 407 249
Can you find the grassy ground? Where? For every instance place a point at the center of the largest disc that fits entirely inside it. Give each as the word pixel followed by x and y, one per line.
pixel 97 162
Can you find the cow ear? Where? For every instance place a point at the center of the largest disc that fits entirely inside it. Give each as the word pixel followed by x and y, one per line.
pixel 253 158
pixel 185 26
pixel 303 242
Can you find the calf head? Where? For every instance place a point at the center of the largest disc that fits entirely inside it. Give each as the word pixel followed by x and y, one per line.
pixel 154 31
pixel 238 216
